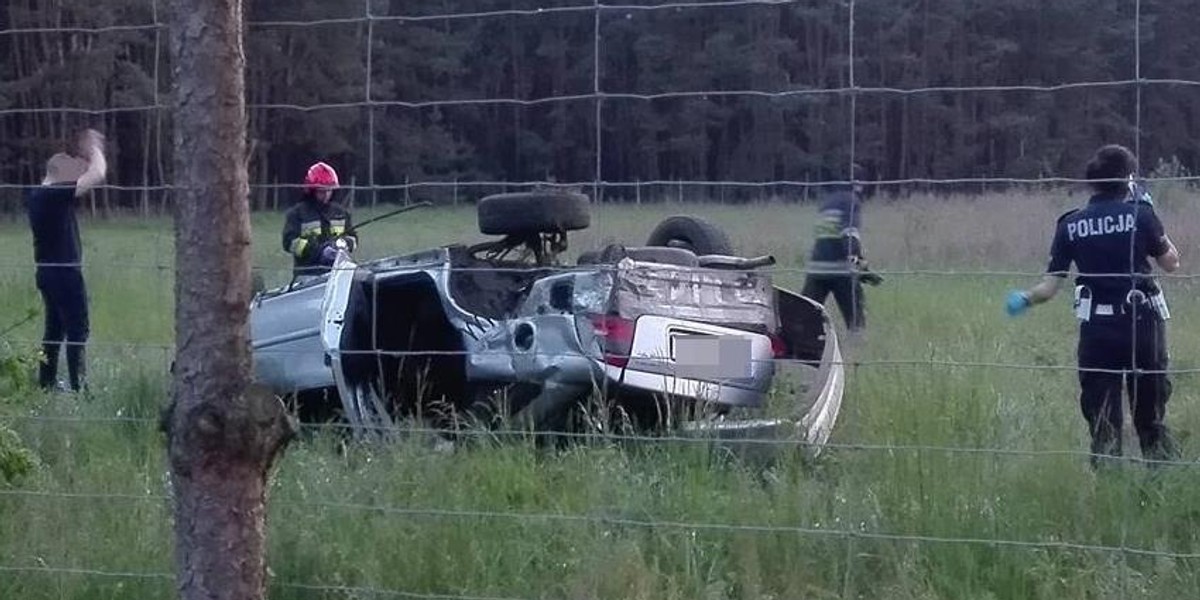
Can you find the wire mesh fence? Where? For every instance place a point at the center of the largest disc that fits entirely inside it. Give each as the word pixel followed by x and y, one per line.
pixel 988 405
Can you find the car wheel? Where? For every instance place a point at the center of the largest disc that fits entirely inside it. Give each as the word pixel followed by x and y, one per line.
pixel 533 212
pixel 691 233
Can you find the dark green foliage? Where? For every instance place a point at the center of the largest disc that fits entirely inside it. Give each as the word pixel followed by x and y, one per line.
pixel 898 46
pixel 15 459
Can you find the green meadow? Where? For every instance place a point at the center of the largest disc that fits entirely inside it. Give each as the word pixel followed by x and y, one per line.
pixel 957 469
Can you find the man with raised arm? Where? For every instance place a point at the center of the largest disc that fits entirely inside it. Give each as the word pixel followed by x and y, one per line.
pixel 58 255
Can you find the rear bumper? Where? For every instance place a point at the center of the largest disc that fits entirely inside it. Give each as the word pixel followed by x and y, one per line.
pixel 809 424
pixel 688 359
pixel 681 387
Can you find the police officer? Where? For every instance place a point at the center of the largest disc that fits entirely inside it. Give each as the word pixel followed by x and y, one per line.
pixel 1120 307
pixel 837 252
pixel 58 255
pixel 315 224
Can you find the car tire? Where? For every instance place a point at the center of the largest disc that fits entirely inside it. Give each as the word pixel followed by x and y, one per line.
pixel 691 233
pixel 533 212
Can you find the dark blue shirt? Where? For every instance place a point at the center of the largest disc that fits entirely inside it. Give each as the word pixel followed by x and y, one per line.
pixel 1111 242
pixel 51 210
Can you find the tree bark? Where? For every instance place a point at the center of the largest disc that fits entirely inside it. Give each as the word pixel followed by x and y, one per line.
pixel 223 435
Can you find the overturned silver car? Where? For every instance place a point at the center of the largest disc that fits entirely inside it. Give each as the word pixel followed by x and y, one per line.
pixel 678 335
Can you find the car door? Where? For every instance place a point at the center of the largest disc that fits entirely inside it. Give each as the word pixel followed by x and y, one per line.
pixel 285 333
pixel 363 408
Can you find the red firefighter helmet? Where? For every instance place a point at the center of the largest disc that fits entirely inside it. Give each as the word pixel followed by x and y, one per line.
pixel 320 175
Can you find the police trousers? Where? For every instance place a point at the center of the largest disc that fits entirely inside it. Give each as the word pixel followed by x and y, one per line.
pixel 1123 351
pixel 847 291
pixel 64 299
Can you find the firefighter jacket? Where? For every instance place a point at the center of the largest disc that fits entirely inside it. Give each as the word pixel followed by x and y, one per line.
pixel 309 226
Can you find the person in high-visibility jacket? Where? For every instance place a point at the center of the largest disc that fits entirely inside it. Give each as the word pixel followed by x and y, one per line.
pixel 836 260
pixel 316 223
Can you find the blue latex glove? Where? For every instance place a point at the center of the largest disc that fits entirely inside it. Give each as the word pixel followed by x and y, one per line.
pixel 328 254
pixel 1017 303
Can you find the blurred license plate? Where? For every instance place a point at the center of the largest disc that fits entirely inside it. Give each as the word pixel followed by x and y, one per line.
pixel 699 356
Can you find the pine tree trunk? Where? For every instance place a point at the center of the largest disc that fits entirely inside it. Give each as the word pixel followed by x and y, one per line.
pixel 223 434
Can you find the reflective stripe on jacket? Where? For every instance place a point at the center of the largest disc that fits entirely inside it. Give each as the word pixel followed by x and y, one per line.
pixel 310 224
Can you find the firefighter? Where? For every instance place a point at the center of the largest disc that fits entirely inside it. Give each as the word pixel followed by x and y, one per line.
pixel 1121 310
pixel 836 259
pixel 316 224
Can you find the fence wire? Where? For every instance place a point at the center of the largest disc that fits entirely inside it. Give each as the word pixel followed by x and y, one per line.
pixel 312 587
pixel 599 97
pixel 645 523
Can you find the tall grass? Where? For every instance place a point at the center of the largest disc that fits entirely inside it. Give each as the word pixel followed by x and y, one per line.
pixel 887 512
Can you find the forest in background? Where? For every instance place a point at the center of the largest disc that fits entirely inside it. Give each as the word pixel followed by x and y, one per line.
pixel 296 64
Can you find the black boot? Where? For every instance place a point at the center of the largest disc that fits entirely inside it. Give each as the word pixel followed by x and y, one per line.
pixel 1159 445
pixel 1106 446
pixel 76 366
pixel 48 367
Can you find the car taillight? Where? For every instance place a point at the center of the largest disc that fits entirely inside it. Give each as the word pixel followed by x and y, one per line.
pixel 778 345
pixel 616 338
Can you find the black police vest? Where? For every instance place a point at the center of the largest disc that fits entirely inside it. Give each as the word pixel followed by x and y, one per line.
pixel 1110 253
